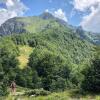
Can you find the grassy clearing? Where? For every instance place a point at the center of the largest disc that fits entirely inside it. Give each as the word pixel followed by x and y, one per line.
pixel 25 51
pixel 67 95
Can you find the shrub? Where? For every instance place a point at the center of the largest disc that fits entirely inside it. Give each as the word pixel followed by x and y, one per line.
pixel 91 80
pixel 37 92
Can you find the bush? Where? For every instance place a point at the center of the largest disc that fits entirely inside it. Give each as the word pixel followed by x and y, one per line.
pixel 3 86
pixel 59 84
pixel 28 78
pixel 38 92
pixel 51 68
pixel 91 80
pixel 8 66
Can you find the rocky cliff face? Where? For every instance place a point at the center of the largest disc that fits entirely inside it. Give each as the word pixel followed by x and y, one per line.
pixel 12 26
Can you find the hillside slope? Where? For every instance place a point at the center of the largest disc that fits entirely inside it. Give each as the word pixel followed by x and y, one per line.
pixel 59 40
pixel 46 31
pixel 42 22
pixel 44 52
pixel 29 24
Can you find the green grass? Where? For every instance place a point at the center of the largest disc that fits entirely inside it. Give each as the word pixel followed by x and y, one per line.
pixel 66 95
pixel 25 52
pixel 36 24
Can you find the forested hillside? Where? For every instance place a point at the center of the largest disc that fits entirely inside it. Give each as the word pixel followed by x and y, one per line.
pixel 48 55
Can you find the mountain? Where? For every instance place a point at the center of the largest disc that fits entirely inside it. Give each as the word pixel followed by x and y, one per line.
pixel 47 31
pixel 12 26
pixel 58 40
pixel 44 52
pixel 50 32
pixel 89 36
pixel 42 22
pixel 30 24
pixel 46 15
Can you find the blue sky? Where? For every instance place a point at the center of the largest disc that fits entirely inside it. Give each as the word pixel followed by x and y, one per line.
pixel 85 13
pixel 37 7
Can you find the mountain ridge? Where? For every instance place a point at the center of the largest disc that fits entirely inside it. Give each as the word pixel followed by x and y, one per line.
pixel 44 21
pixel 19 24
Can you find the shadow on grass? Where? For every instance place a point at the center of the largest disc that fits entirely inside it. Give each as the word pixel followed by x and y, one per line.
pixel 80 94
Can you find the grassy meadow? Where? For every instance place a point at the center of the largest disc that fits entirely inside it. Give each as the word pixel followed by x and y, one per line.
pixel 66 95
pixel 23 57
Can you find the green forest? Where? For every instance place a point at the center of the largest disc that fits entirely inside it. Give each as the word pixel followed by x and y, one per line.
pixel 54 59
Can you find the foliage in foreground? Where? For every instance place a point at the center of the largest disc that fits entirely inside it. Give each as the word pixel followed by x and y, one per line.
pixel 66 95
pixel 8 68
pixel 91 80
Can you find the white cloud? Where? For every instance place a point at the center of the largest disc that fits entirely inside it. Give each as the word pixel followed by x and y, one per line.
pixel 60 14
pixel 14 8
pixel 47 10
pixel 9 3
pixel 91 21
pixel 83 5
